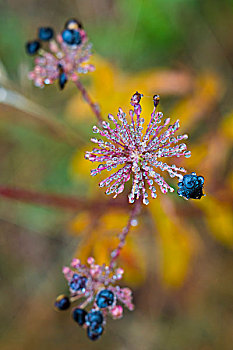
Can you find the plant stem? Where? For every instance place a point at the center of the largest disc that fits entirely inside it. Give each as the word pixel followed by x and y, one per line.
pixel 94 106
pixel 56 200
pixel 116 252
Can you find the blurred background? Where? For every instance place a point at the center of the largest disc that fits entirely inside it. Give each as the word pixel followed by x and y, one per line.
pixel 178 260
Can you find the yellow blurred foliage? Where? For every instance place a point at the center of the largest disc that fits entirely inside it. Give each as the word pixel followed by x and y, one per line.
pixel 113 89
pixel 100 238
pixel 80 223
pixel 196 105
pixel 219 219
pixel 227 126
pixel 176 244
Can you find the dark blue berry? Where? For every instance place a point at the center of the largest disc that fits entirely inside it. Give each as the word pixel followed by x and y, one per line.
pixel 71 37
pixel 73 24
pixel 67 36
pixel 79 315
pixel 191 186
pixel 105 298
pixel 95 331
pixel 94 316
pixel 32 47
pixel 78 282
pixel 62 302
pixel 62 80
pixel 45 33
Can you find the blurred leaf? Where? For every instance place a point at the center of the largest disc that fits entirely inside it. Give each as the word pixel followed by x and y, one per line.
pixel 219 219
pixel 118 88
pixel 176 245
pixel 208 90
pixel 227 127
pixel 100 239
pixel 79 223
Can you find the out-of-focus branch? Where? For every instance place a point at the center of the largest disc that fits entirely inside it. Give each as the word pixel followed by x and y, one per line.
pixel 59 201
pixel 94 106
pixel 122 236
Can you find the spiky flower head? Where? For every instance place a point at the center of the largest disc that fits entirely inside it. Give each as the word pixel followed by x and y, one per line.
pixel 66 56
pixel 97 285
pixel 137 155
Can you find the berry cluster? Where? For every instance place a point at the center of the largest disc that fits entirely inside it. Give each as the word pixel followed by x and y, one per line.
pixel 191 186
pixel 44 34
pixel 66 57
pixel 95 283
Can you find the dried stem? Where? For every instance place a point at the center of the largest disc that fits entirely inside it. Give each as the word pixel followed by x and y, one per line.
pixel 94 106
pixel 116 252
pixel 57 201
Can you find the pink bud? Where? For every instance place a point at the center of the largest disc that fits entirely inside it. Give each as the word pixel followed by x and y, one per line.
pixel 75 262
pixel 117 311
pixel 126 292
pixel 119 272
pixel 95 270
pixel 90 260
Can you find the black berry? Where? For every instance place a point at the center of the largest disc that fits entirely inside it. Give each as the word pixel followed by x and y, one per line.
pixel 32 47
pixel 62 302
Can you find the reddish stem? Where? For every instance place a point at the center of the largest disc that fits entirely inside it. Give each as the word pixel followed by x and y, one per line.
pixel 116 252
pixel 56 200
pixel 87 98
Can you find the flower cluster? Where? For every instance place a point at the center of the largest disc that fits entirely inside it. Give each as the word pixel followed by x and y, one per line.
pixel 137 154
pixel 96 284
pixel 66 58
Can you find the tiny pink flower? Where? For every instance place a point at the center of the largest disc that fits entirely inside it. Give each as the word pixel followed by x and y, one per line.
pixel 136 154
pixel 117 311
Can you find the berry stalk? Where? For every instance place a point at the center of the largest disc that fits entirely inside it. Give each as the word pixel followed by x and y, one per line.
pixel 122 236
pixel 94 106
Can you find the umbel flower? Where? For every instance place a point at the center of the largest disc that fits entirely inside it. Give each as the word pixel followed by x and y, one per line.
pixel 137 155
pixel 96 284
pixel 66 58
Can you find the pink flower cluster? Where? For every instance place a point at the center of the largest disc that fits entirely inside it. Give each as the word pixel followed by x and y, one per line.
pixel 137 155
pixel 96 278
pixel 62 61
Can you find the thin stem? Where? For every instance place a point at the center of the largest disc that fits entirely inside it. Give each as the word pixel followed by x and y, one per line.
pixel 94 106
pixel 116 252
pixel 56 200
